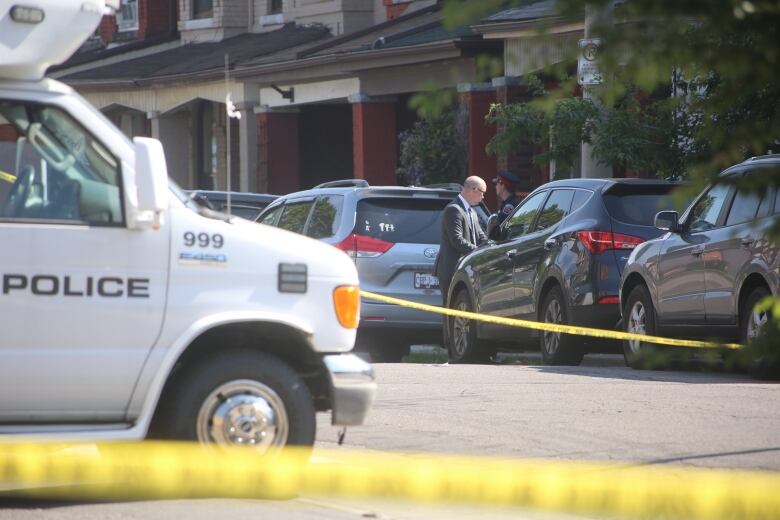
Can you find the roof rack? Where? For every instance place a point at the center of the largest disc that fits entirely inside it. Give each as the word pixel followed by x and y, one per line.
pixel 344 183
pixel 759 157
pixel 454 186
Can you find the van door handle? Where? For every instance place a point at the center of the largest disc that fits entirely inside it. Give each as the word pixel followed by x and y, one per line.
pixel 511 253
pixel 697 251
pixel 550 243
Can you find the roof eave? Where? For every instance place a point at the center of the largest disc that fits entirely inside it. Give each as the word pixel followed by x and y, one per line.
pixel 373 58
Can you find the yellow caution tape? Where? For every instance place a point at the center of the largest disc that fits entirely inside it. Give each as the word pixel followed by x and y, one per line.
pixel 552 327
pixel 176 470
pixel 7 176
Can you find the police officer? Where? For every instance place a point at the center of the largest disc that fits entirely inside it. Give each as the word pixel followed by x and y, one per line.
pixel 506 184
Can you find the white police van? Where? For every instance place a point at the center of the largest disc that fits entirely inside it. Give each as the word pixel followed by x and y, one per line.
pixel 126 310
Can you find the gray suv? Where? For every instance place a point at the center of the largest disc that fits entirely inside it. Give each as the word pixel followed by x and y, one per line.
pixel 392 233
pixel 703 278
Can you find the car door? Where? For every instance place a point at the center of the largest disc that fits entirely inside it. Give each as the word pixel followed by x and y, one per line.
pixel 530 254
pixel 730 251
pixel 82 295
pixel 680 276
pixel 494 267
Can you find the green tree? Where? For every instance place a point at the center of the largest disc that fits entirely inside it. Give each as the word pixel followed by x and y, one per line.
pixel 432 151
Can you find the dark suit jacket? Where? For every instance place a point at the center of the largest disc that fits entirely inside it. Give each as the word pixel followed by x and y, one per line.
pixel 456 239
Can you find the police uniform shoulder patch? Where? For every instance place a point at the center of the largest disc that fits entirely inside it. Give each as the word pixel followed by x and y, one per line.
pixel 508 209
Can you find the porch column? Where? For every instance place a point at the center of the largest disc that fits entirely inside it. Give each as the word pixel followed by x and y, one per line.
pixel 278 150
pixel 247 144
pixel 374 139
pixel 154 119
pixel 511 89
pixel 476 98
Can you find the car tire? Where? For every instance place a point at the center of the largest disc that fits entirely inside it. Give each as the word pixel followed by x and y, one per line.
pixel 639 318
pixel 462 343
pixel 557 348
pixel 258 399
pixel 762 364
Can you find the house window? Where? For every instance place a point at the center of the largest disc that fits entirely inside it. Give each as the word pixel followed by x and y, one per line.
pixel 275 7
pixel 127 16
pixel 202 9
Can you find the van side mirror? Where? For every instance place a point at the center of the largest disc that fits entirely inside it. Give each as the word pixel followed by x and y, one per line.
pixel 667 221
pixel 151 182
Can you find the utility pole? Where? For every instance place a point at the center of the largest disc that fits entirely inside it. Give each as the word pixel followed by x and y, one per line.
pixel 591 80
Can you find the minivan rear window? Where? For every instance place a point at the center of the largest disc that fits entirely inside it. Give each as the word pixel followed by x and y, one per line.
pixel 637 204
pixel 405 220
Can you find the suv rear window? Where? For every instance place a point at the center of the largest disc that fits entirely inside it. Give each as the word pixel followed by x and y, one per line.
pixel 408 220
pixel 637 203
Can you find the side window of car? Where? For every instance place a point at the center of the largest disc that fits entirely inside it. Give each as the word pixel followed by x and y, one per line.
pixel 580 198
pixel 556 207
pixel 325 216
pixel 294 216
pixel 744 208
pixel 520 221
pixel 704 215
pixel 269 218
pixel 51 168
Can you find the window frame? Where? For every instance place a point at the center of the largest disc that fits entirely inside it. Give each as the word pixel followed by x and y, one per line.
pixel 506 225
pixel 721 217
pixel 120 187
pixel 566 213
pixel 124 25
pixel 201 14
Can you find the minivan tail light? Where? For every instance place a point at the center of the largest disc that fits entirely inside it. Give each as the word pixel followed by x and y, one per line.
pixel 599 241
pixel 359 246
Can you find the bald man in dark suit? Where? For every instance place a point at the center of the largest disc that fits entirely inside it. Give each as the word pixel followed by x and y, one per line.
pixel 460 232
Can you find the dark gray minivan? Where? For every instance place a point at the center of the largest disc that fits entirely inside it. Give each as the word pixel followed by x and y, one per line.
pixel 704 276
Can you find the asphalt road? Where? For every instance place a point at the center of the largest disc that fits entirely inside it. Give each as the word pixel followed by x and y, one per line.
pixel 600 411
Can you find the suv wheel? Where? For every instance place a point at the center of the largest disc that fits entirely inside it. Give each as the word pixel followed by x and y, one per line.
pixel 462 343
pixel 763 364
pixel 639 318
pixel 557 348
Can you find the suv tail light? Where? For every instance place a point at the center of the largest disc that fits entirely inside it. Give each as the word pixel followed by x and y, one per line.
pixel 359 246
pixel 599 241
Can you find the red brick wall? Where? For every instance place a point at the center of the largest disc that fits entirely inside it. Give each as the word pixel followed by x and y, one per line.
pixel 107 28
pixel 395 10
pixel 8 133
pixel 154 17
pixel 520 160
pixel 374 142
pixel 278 150
pixel 479 134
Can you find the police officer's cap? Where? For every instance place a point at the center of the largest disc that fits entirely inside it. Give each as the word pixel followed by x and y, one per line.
pixel 506 178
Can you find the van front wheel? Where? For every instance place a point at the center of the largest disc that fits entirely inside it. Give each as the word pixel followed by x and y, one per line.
pixel 241 398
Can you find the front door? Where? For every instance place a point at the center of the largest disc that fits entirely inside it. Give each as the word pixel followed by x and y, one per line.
pixel 81 296
pixel 496 270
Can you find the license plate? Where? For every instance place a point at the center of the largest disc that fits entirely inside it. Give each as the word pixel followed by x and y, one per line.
pixel 425 281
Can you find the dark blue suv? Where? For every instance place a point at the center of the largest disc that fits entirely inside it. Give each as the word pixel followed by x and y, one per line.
pixel 557 258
